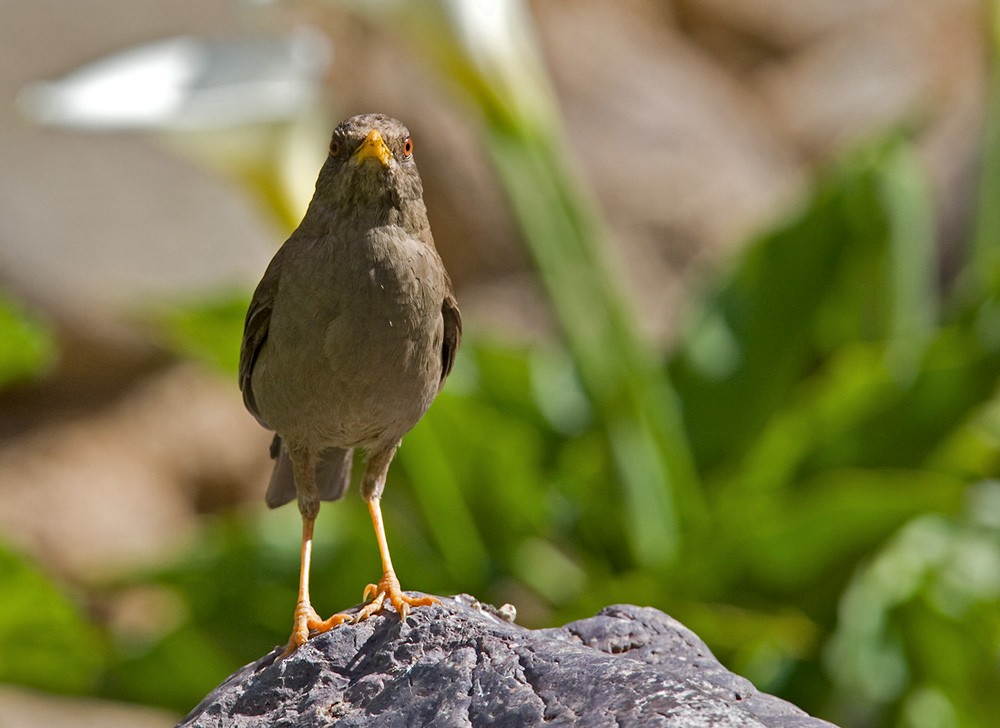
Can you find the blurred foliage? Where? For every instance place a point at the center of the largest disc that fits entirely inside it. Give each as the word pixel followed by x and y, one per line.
pixel 806 479
pixel 27 345
pixel 46 641
pixel 207 329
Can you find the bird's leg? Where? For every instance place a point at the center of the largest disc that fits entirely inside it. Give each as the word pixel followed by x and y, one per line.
pixel 388 585
pixel 306 619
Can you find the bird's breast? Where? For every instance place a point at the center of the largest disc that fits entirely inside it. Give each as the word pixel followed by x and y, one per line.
pixel 368 327
pixel 391 285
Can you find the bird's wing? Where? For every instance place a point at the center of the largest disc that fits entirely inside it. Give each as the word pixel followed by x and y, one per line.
pixel 452 332
pixel 255 330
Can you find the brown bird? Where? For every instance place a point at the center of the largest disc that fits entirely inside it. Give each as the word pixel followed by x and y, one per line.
pixel 349 337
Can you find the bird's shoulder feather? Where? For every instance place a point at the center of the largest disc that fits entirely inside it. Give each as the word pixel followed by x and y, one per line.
pixel 452 331
pixel 256 326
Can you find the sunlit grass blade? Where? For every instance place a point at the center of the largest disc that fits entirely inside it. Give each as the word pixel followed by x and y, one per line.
pixel 912 274
pixel 442 501
pixel 614 364
pixel 982 275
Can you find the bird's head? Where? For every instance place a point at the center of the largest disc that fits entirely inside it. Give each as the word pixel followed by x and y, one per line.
pixel 370 167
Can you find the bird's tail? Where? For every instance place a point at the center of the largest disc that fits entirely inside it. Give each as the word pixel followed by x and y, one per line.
pixel 333 475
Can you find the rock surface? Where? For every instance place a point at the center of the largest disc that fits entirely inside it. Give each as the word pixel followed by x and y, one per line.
pixel 461 664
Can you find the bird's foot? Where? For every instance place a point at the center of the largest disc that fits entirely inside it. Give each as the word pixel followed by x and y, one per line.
pixel 388 588
pixel 306 623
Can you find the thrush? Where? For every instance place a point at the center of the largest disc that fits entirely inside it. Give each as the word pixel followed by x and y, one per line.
pixel 350 335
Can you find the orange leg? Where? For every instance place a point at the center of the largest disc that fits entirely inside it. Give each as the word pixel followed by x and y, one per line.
pixel 306 619
pixel 388 586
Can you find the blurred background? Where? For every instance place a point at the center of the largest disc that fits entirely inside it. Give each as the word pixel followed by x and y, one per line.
pixel 730 275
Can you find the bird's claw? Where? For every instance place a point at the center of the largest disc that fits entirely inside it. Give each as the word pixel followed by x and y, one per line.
pixel 308 622
pixel 388 587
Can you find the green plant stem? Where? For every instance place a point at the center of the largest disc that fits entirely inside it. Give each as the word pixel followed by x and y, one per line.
pixel 635 403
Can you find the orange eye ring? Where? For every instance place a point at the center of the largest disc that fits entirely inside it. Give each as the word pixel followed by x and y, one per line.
pixel 408 147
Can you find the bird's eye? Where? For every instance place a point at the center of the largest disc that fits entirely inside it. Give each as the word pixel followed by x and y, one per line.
pixel 407 147
pixel 335 147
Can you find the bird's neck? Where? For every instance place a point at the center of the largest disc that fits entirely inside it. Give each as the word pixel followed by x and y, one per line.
pixel 324 220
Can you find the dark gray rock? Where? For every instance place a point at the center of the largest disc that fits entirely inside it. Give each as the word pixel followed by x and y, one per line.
pixel 461 664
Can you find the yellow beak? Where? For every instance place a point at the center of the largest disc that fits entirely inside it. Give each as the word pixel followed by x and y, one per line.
pixel 373 147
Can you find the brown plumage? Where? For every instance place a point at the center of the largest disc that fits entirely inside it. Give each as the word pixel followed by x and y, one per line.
pixel 350 335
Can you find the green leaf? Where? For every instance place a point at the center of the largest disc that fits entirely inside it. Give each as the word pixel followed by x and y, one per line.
pixel 175 672
pixel 905 422
pixel 45 640
pixel 27 344
pixel 856 265
pixel 755 336
pixel 789 541
pixel 921 620
pixel 207 329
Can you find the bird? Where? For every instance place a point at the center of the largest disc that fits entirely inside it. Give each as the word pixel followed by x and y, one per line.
pixel 349 337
